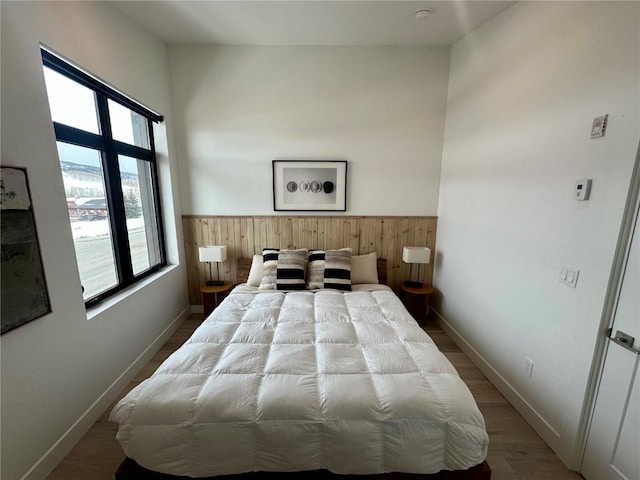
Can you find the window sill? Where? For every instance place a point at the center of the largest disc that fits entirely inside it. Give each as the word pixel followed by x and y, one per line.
pixel 106 304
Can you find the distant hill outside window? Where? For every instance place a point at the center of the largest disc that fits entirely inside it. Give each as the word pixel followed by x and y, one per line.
pixel 108 163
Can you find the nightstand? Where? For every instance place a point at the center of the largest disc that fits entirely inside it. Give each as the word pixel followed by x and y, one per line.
pixel 212 296
pixel 416 299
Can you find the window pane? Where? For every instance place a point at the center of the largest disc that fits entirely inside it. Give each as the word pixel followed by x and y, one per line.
pixel 139 208
pixel 89 216
pixel 71 103
pixel 128 126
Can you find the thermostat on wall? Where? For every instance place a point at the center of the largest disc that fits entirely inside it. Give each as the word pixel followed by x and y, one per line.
pixel 583 187
pixel 599 126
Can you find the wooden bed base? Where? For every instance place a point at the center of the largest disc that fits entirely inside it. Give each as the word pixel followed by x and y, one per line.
pixel 130 470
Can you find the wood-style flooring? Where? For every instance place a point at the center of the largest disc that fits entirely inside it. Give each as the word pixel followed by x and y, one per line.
pixel 516 452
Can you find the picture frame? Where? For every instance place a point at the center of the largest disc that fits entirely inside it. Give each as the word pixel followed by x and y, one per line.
pixel 310 185
pixel 24 295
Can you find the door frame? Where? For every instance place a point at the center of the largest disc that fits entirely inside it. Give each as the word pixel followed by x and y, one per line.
pixel 609 309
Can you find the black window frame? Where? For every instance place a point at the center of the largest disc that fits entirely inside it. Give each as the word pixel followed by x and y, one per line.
pixel 110 149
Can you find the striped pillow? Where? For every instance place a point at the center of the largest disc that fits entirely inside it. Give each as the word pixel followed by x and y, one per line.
pixel 315 275
pixel 290 270
pixel 337 269
pixel 269 268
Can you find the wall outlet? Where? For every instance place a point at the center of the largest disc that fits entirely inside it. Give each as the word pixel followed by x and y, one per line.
pixel 527 364
pixel 569 275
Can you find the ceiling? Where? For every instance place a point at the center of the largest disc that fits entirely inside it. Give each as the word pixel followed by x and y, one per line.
pixel 310 22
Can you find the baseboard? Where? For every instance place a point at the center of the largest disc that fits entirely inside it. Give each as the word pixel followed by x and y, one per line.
pixel 67 441
pixel 533 417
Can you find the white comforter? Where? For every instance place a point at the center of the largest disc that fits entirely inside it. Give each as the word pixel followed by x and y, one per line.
pixel 302 381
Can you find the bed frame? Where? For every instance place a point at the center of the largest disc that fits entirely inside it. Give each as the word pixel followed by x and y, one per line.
pixel 130 470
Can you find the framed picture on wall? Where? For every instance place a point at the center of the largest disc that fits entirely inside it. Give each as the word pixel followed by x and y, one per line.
pixel 24 289
pixel 310 185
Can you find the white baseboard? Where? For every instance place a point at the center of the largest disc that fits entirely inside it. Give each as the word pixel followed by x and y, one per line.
pixel 534 418
pixel 67 441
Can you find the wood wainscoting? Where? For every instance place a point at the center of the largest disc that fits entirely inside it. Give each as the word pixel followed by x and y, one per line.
pixel 245 236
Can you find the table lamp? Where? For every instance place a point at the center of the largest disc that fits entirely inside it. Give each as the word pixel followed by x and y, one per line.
pixel 213 253
pixel 417 255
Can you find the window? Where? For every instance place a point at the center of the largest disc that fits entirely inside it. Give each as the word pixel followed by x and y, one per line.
pixel 108 163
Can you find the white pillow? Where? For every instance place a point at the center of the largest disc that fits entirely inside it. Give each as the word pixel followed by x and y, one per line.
pixel 364 269
pixel 255 273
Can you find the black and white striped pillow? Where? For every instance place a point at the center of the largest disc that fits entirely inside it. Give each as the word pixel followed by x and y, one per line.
pixel 337 269
pixel 291 269
pixel 315 267
pixel 269 268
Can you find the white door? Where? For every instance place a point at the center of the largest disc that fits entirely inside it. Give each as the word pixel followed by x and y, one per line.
pixel 613 443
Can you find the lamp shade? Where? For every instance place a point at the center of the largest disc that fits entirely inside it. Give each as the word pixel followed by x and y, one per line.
pixel 212 253
pixel 416 254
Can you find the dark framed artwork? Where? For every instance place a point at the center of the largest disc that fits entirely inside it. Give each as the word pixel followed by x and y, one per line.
pixel 310 185
pixel 24 295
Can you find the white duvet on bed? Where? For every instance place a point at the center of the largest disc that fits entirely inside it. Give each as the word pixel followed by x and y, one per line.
pixel 302 381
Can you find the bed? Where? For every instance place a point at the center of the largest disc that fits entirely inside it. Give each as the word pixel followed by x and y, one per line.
pixel 318 383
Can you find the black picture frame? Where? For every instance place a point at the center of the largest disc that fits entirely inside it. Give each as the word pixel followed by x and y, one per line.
pixel 24 295
pixel 309 185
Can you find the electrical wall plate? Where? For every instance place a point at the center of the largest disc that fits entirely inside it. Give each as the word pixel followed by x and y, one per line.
pixel 599 126
pixel 569 275
pixel 582 189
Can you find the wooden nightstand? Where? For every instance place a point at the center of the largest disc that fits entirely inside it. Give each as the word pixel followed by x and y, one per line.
pixel 212 296
pixel 416 299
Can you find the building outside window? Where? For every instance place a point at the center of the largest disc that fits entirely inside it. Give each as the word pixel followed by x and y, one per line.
pixel 108 163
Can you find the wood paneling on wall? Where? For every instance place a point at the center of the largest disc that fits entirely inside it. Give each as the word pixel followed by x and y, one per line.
pixel 246 236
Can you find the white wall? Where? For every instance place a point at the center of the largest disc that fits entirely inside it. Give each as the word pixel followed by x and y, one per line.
pixel 239 108
pixel 523 91
pixel 60 371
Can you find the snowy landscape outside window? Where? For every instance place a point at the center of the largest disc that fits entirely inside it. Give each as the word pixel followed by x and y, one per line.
pixel 107 158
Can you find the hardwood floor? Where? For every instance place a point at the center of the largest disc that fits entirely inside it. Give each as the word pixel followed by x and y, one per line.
pixel 516 452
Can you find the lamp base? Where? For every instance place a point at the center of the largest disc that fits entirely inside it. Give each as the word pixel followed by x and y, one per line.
pixel 215 283
pixel 413 284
